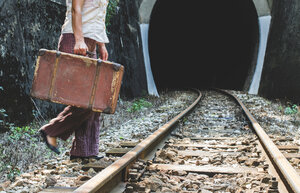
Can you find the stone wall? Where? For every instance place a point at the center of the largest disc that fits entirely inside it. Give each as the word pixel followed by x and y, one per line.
pixel 125 47
pixel 25 27
pixel 281 73
pixel 28 25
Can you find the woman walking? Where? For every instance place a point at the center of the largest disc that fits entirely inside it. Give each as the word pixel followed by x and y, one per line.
pixel 83 29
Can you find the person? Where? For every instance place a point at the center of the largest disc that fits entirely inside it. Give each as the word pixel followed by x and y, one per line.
pixel 83 29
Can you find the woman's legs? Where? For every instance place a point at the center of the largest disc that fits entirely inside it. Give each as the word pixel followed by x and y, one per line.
pixel 69 120
pixel 86 125
pixel 86 140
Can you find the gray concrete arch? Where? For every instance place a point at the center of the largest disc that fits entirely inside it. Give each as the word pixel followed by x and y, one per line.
pixel 263 8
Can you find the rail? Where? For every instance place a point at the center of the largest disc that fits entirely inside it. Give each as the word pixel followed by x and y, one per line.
pixel 288 174
pixel 116 172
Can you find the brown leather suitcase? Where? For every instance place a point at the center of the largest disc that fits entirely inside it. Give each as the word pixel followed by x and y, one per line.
pixel 77 80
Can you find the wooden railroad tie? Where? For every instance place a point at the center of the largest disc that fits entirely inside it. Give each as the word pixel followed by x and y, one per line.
pixel 203 169
pixel 202 145
pixel 58 189
pixel 117 151
pixel 126 146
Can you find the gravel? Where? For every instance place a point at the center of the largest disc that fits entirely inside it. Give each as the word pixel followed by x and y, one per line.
pixel 28 155
pixel 271 115
pixel 22 156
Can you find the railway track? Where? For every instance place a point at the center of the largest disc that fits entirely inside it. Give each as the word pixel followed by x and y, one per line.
pixel 211 160
pixel 215 146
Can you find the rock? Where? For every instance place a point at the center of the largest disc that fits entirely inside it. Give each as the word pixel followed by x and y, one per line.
pixel 84 178
pixel 71 165
pixel 24 190
pixel 153 183
pixel 26 175
pixel 240 190
pixel 17 183
pixel 242 159
pixel 248 186
pixel 91 172
pixel 161 154
pixel 205 161
pixel 295 161
pixel 166 189
pixel 36 189
pixel 260 170
pixel 266 180
pixel 48 172
pixel 196 177
pixel 179 172
pixel 62 171
pixel 246 142
pixel 50 181
pixel 252 162
pixel 205 191
pixel 5 184
pixel 170 155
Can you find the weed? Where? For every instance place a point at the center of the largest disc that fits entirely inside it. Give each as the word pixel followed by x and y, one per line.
pixel 291 110
pixel 3 114
pixel 18 133
pixel 184 120
pixel 12 173
pixel 138 105
pixel 111 10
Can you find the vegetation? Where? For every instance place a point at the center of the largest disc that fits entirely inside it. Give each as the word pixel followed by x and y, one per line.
pixel 111 10
pixel 3 115
pixel 293 109
pixel 138 105
pixel 19 147
pixel 11 153
pixel 22 146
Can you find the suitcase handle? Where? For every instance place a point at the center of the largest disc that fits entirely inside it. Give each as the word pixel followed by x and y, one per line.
pixel 90 53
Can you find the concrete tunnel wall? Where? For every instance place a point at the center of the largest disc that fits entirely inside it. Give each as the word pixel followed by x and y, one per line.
pixel 211 43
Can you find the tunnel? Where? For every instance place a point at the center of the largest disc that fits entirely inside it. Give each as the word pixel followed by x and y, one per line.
pixel 203 44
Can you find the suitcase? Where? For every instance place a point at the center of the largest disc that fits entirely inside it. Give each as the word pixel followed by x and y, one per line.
pixel 77 80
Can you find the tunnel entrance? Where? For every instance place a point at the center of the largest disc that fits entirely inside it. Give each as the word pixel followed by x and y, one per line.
pixel 210 43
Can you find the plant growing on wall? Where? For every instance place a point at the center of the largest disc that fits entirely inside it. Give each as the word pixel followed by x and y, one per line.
pixel 3 114
pixel 112 9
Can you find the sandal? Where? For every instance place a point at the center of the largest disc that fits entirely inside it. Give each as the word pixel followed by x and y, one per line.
pixel 51 147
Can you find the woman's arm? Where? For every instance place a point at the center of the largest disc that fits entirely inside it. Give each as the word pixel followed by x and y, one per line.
pixel 80 46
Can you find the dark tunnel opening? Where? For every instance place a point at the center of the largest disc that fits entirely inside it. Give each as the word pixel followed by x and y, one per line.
pixel 202 44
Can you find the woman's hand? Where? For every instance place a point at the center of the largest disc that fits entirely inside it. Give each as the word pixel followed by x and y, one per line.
pixel 80 47
pixel 103 54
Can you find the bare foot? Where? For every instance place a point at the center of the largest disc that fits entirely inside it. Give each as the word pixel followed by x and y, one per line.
pixel 51 140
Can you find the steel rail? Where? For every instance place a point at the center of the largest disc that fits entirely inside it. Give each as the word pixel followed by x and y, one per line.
pixel 115 172
pixel 290 177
